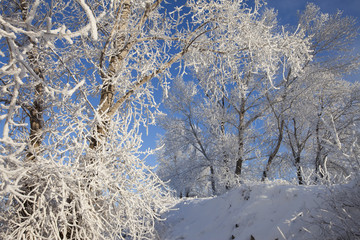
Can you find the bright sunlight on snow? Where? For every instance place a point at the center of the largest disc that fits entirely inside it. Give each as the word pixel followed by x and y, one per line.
pixel 273 210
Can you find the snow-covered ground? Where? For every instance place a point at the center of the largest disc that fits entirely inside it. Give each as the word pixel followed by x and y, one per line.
pixel 261 211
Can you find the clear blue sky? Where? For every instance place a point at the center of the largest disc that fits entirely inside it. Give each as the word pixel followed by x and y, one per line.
pixel 288 8
pixel 287 14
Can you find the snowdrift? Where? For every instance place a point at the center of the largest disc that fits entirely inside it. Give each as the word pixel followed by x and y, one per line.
pixel 263 211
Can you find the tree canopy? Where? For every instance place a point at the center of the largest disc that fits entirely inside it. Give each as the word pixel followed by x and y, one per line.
pixel 77 84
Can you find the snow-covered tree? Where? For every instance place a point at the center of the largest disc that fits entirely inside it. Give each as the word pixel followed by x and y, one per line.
pixel 258 99
pixel 247 54
pixel 324 96
pixel 189 155
pixel 76 86
pixel 298 106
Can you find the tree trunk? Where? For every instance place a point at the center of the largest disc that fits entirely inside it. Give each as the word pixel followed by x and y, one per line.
pixel 298 169
pixel 108 89
pixel 225 155
pixel 241 133
pixel 35 111
pixel 36 123
pixel 275 151
pixel 240 159
pixel 212 180
pixel 36 120
pixel 320 158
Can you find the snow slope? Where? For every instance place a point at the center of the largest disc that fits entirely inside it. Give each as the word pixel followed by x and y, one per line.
pixel 259 211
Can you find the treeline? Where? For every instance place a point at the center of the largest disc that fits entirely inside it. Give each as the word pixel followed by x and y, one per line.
pixel 261 117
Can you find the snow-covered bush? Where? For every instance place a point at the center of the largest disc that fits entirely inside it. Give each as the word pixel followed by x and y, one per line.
pixel 341 206
pixel 340 213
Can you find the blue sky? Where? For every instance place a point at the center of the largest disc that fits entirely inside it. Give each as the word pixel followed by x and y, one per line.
pixel 287 9
pixel 287 14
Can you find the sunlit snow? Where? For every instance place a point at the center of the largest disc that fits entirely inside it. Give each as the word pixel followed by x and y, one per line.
pixel 273 210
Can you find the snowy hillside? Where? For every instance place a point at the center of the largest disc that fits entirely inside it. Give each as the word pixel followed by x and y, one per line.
pixel 259 211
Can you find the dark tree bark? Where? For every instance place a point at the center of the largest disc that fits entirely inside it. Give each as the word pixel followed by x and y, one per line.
pixel 241 137
pixel 275 151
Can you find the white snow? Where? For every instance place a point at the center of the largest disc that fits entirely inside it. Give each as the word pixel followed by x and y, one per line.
pixel 275 210
pixel 92 19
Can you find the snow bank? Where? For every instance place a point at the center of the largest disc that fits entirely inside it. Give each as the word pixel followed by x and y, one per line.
pixel 257 211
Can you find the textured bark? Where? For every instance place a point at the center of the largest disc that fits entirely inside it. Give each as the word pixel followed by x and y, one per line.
pixel 241 137
pixel 108 89
pixel 36 120
pixel 212 180
pixel 298 170
pixel 35 111
pixel 36 123
pixel 240 159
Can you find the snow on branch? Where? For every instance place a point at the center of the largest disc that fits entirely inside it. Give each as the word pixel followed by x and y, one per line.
pixel 91 17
